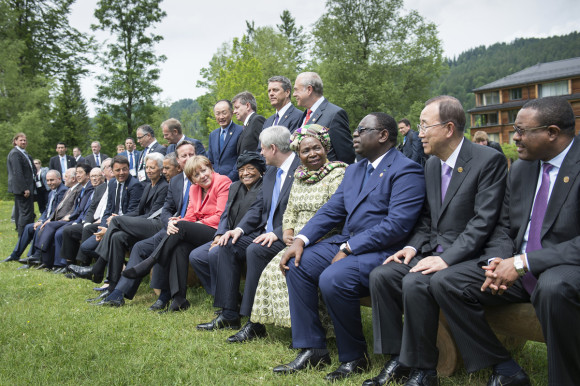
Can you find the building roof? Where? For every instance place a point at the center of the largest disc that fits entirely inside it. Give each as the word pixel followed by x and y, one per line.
pixel 538 73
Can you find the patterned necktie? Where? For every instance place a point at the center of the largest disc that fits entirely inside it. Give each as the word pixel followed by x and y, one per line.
pixel 308 113
pixel 538 214
pixel 50 204
pixel 276 119
pixel 275 195
pixel 445 178
pixel 222 139
pixel 185 200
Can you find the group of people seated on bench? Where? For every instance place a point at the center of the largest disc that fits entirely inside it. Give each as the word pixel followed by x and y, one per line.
pixel 316 235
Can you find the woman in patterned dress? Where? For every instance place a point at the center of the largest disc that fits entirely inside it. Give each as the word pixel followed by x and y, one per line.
pixel 315 182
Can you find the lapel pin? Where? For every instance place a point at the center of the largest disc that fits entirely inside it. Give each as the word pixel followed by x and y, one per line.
pixel 314 120
pixel 285 116
pixel 460 169
pixel 566 179
pixel 380 175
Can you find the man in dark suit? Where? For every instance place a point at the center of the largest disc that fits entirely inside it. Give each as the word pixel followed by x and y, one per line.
pixel 62 162
pixel 379 201
pixel 222 150
pixel 78 155
pixel 96 158
pixel 533 254
pixel 256 239
pixel 279 91
pixel 245 108
pixel 411 146
pixel 465 186
pixel 146 138
pixel 80 231
pixel 132 155
pixel 21 182
pixel 175 206
pixel 124 231
pixel 56 193
pixel 173 133
pixel 308 92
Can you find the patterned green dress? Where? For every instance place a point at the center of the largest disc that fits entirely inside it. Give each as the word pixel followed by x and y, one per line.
pixel 271 300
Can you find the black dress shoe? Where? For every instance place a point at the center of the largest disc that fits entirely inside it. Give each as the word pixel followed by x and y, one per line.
pixel 102 296
pixel 392 372
pixel 111 303
pixel 85 273
pixel 158 305
pixel 70 275
pixel 306 357
pixel 422 378
pixel 176 307
pixel 9 258
pixel 519 378
pixel 346 369
pixel 219 323
pixel 248 332
pixel 32 260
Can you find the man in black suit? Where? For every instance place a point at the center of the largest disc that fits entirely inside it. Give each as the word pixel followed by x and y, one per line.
pixel 465 184
pixel 175 206
pixel 96 158
pixel 21 182
pixel 78 155
pixel 256 239
pixel 245 108
pixel 222 148
pixel 146 138
pixel 62 161
pixel 411 146
pixel 279 91
pixel 173 133
pixel 533 254
pixel 308 92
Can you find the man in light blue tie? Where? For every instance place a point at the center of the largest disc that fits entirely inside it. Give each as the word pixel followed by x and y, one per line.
pixel 132 155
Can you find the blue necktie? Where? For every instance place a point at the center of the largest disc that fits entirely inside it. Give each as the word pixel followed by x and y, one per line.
pixel 62 165
pixel 131 161
pixel 275 195
pixel 49 210
pixel 185 200
pixel 276 120
pixel 222 139
pixel 370 169
pixel 98 162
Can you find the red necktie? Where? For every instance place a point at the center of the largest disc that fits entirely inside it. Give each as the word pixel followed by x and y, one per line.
pixel 307 116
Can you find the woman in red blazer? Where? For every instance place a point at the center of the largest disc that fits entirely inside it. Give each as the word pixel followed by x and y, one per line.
pixel 208 195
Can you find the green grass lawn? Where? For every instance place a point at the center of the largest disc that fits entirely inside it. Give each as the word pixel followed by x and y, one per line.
pixel 50 335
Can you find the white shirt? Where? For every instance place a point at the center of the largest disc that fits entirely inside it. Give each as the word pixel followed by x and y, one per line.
pixel 248 118
pixel 314 107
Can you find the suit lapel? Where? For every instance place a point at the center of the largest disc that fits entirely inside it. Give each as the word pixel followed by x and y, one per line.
pixel 289 179
pixel 526 200
pixel 285 116
pixel 375 177
pixel 461 170
pixel 434 187
pixel 229 134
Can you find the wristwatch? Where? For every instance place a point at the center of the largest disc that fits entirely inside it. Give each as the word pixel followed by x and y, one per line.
pixel 519 265
pixel 344 249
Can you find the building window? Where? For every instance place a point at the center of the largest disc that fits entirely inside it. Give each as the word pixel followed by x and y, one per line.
pixel 493 137
pixel 488 119
pixel 490 98
pixel 515 94
pixel 553 89
pixel 512 114
pixel 511 134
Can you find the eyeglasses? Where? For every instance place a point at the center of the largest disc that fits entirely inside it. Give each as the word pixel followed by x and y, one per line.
pixel 361 129
pixel 143 136
pixel 423 129
pixel 521 131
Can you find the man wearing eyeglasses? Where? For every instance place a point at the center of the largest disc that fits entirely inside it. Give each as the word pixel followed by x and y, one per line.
pixel 532 256
pixel 379 201
pixel 465 186
pixel 146 138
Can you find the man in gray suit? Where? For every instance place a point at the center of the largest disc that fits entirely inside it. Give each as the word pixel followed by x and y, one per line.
pixel 532 256
pixel 308 92
pixel 21 182
pixel 96 158
pixel 279 91
pixel 465 184
pixel 173 133
pixel 245 108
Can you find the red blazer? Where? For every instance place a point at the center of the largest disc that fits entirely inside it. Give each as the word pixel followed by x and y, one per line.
pixel 209 210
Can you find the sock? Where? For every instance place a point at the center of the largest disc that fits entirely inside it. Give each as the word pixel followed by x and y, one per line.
pixel 115 295
pixel 507 368
pixel 164 296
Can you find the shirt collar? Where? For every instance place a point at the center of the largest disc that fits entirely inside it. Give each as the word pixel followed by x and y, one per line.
pixel 557 161
pixel 248 118
pixel 317 104
pixel 288 162
pixel 452 160
pixel 283 110
pixel 376 162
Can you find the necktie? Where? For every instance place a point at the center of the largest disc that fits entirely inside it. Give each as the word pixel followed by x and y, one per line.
pixel 222 139
pixel 50 204
pixel 445 178
pixel 131 163
pixel 185 200
pixel 275 195
pixel 98 161
pixel 538 213
pixel 370 170
pixel 118 198
pixel 308 113
pixel 276 119
pixel 62 165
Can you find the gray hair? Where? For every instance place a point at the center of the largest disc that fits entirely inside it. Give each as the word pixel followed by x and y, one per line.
pixel 278 136
pixel 172 157
pixel 246 97
pixel 158 157
pixel 285 82
pixel 312 79
pixel 55 172
pixel 146 129
pixel 106 163
pixel 71 172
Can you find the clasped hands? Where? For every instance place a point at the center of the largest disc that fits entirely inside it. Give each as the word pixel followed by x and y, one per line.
pixel 500 274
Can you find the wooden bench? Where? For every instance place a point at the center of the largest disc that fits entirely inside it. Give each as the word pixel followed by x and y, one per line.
pixel 513 324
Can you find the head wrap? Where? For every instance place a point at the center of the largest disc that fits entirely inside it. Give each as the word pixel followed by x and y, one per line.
pixel 314 130
pixel 251 157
